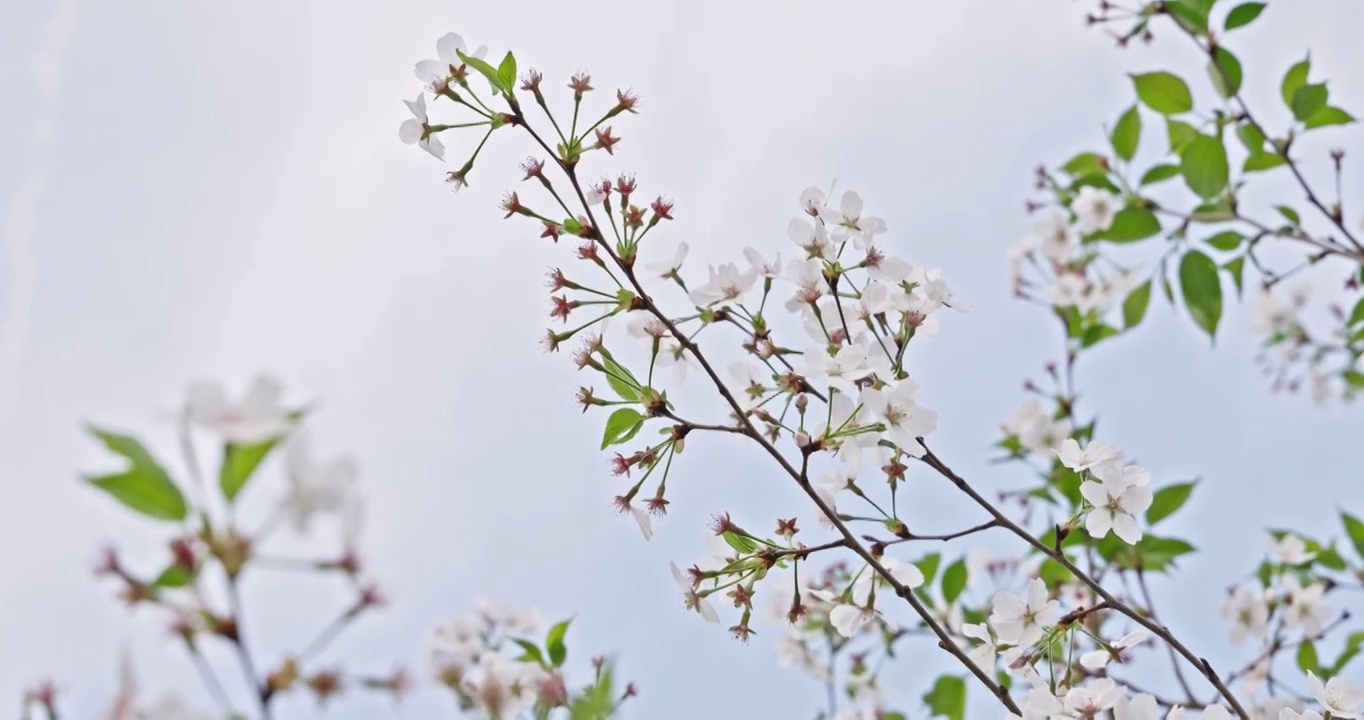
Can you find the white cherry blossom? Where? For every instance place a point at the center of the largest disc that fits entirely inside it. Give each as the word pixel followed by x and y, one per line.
pixel 315 488
pixel 1017 621
pixel 1094 209
pixel 1290 550
pixel 1097 452
pixel 436 73
pixel 906 421
pixel 258 417
pixel 413 129
pixel 1339 696
pixel 1247 612
pixel 726 286
pixel 1116 506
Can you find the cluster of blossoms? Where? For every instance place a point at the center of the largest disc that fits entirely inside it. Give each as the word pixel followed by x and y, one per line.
pixel 496 671
pixel 825 392
pixel 212 552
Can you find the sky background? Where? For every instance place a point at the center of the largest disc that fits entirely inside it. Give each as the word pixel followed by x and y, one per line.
pixel 193 190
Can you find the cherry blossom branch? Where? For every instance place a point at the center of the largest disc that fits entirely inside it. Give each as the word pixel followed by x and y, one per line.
pixel 209 677
pixel 910 537
pixel 945 640
pixel 1201 664
pixel 1336 217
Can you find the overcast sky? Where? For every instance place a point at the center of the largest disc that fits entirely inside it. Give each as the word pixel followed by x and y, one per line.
pixel 207 192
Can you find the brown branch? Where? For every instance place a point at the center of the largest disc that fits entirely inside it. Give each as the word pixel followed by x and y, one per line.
pixel 945 640
pixel 1201 664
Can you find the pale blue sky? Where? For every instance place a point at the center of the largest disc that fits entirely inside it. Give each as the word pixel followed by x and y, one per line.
pixel 207 191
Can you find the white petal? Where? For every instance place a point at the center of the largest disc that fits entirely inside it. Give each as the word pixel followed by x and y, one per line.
pixel 448 48
pixel 410 132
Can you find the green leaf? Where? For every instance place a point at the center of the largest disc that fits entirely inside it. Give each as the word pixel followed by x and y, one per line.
pixel 1251 138
pixel 1181 134
pixel 947 698
pixel 1356 315
pixel 1127 134
pixel 530 652
pixel 1227 240
pixel 1295 78
pixel 554 643
pixel 1191 16
pixel 144 486
pixel 1289 214
pixel 1134 307
pixel 1204 165
pixel 1129 225
pixel 506 72
pixel 1329 116
pixel 173 577
pixel 739 542
pixel 1353 644
pixel 1202 290
pixel 1307 657
pixel 1309 100
pixel 1236 268
pixel 1159 173
pixel 485 70
pixel 620 379
pixel 928 565
pixel 1086 164
pixel 239 463
pixel 1355 530
pixel 1163 92
pixel 1261 161
pixel 1225 71
pixel 1216 211
pixel 954 580
pixel 1159 554
pixel 1243 15
pixel 1167 501
pixel 623 424
pixel 1096 334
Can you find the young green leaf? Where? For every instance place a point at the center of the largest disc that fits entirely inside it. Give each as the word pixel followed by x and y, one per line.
pixel 1159 173
pixel 620 380
pixel 1251 138
pixel 554 643
pixel 623 424
pixel 1204 165
pixel 1355 530
pixel 1236 268
pixel 506 73
pixel 1289 214
pixel 1309 100
pixel 1356 315
pixel 954 580
pixel 1087 163
pixel 144 486
pixel 239 463
pixel 1307 657
pixel 1227 240
pixel 1202 290
pixel 1180 134
pixel 1129 225
pixel 1225 71
pixel 1134 307
pixel 1295 78
pixel 173 577
pixel 1329 116
pixel 1243 15
pixel 1163 92
pixel 530 652
pixel 484 69
pixel 1167 501
pixel 947 699
pixel 1261 161
pixel 1191 15
pixel 1127 134
pixel 928 565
